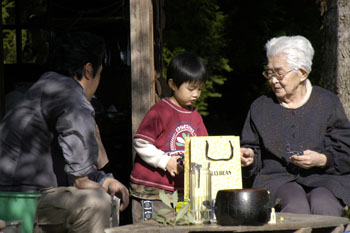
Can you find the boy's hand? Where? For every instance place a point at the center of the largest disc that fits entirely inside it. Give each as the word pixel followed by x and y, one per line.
pixel 173 167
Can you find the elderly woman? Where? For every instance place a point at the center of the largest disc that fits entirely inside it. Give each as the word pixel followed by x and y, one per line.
pixel 296 140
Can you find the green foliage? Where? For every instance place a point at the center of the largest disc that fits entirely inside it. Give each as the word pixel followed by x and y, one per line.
pixel 9 36
pixel 165 199
pixel 6 6
pixel 198 27
pixel 9 43
pixel 170 216
pixel 347 212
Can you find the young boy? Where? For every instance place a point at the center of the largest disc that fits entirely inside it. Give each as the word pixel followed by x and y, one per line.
pixel 160 138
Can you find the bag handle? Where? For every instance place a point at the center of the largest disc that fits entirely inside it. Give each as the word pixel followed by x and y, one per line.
pixel 207 150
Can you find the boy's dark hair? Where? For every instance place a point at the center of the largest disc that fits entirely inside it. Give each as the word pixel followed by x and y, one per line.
pixel 72 51
pixel 187 67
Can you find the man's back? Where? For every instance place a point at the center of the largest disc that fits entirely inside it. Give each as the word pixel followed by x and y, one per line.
pixel 30 131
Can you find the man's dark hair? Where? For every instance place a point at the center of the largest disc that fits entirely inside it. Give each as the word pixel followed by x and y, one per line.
pixel 72 51
pixel 187 67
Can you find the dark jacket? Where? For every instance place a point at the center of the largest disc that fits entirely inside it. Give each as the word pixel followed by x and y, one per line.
pixel 320 125
pixel 51 129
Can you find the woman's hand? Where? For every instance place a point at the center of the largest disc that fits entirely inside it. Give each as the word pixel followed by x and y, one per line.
pixel 247 156
pixel 173 167
pixel 309 159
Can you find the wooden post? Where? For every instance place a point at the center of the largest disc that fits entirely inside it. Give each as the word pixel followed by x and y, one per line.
pixel 2 85
pixel 142 60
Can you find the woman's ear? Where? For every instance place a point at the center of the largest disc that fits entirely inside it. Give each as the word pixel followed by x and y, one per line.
pixel 172 84
pixel 304 74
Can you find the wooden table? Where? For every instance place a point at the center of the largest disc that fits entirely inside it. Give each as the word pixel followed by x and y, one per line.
pixel 300 223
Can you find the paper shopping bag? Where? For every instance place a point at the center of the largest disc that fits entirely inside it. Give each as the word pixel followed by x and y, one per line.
pixel 225 163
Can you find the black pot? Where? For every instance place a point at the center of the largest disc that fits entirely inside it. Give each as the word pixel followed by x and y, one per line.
pixel 243 207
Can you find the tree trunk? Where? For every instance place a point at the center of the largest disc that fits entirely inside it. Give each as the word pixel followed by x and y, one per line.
pixel 336 50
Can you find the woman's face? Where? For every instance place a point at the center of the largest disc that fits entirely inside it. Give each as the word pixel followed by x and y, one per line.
pixel 288 86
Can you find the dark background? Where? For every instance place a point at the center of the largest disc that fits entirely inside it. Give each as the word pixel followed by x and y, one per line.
pixel 250 25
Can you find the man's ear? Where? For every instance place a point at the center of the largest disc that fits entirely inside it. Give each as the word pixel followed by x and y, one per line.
pixel 171 84
pixel 88 71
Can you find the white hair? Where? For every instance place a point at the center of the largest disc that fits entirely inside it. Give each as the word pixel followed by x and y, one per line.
pixel 298 50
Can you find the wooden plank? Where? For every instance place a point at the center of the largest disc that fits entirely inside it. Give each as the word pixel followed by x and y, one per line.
pixel 2 85
pixel 142 60
pixel 304 230
pixel 347 228
pixel 300 223
pixel 338 229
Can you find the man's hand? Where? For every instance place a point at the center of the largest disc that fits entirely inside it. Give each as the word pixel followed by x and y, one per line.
pixel 173 167
pixel 83 182
pixel 309 159
pixel 247 156
pixel 114 187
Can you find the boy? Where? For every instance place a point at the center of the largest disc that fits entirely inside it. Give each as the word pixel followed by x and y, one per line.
pixel 159 140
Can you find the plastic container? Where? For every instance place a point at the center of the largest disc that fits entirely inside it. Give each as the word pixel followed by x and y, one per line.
pixel 16 206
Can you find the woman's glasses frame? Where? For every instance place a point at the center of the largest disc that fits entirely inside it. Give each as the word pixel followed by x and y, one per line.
pixel 269 74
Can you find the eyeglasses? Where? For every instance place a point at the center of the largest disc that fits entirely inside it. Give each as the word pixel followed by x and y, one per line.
pixel 279 75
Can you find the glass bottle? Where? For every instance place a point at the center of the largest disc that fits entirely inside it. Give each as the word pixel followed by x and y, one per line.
pixel 200 192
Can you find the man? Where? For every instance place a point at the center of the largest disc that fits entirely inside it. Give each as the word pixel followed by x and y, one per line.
pixel 53 130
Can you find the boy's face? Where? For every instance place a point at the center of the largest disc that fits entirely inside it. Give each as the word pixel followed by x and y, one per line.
pixel 187 94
